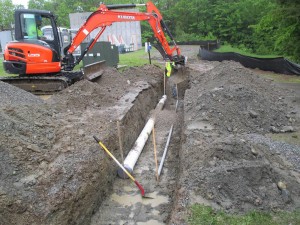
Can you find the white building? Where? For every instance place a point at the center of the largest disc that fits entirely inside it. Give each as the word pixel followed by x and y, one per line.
pixel 126 33
pixel 5 37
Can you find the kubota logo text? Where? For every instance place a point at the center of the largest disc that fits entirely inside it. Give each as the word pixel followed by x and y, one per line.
pixel 126 17
pixel 34 55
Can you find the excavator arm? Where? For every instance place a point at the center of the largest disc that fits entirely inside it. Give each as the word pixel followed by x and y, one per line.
pixel 105 15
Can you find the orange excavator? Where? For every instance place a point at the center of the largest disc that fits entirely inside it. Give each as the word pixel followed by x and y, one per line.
pixel 42 65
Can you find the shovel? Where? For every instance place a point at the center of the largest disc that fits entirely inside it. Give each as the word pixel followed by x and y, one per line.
pixel 122 167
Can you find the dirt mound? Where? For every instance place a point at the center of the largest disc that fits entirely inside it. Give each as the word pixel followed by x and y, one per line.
pixel 110 87
pixel 237 175
pixel 236 100
pixel 150 71
pixel 52 172
pixel 223 164
pixel 13 96
pixel 82 95
pixel 51 169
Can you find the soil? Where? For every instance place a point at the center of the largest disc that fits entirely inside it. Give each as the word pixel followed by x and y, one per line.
pixel 222 152
pixel 227 160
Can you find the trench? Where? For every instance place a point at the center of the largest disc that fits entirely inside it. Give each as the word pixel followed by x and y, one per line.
pixel 206 162
pixel 124 203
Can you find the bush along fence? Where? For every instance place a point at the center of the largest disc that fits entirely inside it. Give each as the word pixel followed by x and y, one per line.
pixel 277 65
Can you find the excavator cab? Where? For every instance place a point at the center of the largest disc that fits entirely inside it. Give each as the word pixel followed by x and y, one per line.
pixel 33 52
pixel 31 24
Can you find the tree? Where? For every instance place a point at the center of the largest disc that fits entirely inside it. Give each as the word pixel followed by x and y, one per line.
pixel 279 30
pixel 19 7
pixel 7 13
pixel 36 4
pixel 264 26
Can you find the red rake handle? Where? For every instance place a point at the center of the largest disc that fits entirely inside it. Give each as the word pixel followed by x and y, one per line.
pixel 140 187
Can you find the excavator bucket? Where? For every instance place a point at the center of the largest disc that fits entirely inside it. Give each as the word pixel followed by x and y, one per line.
pixel 93 71
pixel 178 82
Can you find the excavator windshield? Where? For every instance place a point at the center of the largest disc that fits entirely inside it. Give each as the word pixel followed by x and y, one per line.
pixel 31 26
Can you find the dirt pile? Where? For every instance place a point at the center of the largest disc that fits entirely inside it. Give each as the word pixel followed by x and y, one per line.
pixel 238 176
pixel 111 87
pixel 235 100
pixel 52 172
pixel 51 169
pixel 223 163
pixel 13 96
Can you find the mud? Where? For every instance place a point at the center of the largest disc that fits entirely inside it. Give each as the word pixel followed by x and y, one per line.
pixel 221 151
pixel 126 203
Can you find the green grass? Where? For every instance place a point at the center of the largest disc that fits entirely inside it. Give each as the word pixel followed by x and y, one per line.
pixel 136 58
pixel 2 72
pixel 229 48
pixel 204 215
pixel 78 67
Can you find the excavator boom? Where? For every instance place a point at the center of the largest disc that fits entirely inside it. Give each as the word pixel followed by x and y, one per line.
pixel 43 66
pixel 107 15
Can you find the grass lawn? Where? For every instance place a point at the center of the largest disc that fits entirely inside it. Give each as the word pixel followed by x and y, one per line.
pixel 136 58
pixel 2 73
pixel 204 215
pixel 229 48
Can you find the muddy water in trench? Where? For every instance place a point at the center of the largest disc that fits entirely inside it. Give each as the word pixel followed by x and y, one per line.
pixel 125 204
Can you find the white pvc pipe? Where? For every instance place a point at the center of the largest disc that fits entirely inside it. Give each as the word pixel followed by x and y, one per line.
pixel 139 144
pixel 165 152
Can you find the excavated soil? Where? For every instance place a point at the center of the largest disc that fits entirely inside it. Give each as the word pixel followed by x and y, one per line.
pixel 221 152
pixel 227 159
pixel 52 170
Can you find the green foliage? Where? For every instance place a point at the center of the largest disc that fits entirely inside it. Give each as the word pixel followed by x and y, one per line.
pixel 62 8
pixel 1 67
pixel 6 10
pixel 262 26
pixel 227 20
pixel 204 215
pixel 147 33
pixel 279 30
